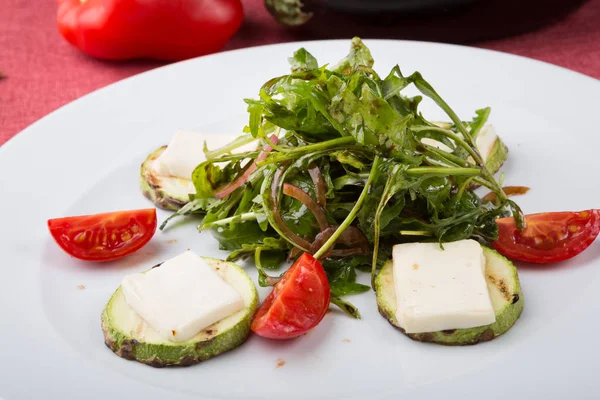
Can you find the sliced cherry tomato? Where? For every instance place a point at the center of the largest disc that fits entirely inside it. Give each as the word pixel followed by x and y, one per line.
pixel 298 302
pixel 104 237
pixel 548 237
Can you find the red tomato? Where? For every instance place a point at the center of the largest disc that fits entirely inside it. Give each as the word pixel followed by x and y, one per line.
pixel 298 302
pixel 160 29
pixel 548 237
pixel 104 237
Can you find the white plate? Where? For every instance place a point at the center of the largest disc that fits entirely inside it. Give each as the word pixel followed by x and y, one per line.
pixel 84 158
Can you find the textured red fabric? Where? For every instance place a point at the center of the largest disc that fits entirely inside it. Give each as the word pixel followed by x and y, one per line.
pixel 43 72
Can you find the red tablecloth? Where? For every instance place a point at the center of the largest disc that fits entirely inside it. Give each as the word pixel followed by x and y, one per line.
pixel 43 72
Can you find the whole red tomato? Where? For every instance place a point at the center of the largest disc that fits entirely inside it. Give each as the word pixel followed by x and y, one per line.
pixel 159 29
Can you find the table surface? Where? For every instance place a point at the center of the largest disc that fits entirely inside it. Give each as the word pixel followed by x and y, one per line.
pixel 43 72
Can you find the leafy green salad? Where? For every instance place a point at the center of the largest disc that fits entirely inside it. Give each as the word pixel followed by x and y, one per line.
pixel 347 166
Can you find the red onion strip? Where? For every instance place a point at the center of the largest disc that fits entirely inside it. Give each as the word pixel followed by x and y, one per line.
pixel 296 239
pixel 352 237
pixel 304 198
pixel 320 186
pixel 320 239
pixel 239 181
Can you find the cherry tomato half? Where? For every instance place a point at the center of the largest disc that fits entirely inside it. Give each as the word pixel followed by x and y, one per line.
pixel 548 237
pixel 298 302
pixel 104 237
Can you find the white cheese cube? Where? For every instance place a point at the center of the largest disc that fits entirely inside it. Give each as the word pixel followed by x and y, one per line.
pixel 181 297
pixel 186 151
pixel 441 289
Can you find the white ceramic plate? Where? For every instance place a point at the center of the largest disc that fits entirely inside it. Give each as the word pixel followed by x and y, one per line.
pixel 84 158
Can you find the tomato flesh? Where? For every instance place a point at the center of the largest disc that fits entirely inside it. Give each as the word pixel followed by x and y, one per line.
pixel 297 303
pixel 104 237
pixel 548 237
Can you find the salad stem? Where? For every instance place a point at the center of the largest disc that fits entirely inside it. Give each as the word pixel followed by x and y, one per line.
pixel 457 139
pixel 228 148
pixel 469 146
pixel 448 157
pixel 416 233
pixel 346 223
pixel 264 279
pixel 463 187
pixel 444 171
pixel 310 148
pixel 236 218
pixel 346 307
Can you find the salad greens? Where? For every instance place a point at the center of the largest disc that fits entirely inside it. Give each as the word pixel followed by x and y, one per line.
pixel 343 173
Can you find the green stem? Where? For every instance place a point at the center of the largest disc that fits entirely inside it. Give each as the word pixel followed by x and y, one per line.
pixel 455 160
pixel 444 171
pixel 236 218
pixel 416 233
pixel 329 145
pixel 229 147
pixel 345 306
pixel 385 197
pixel 463 187
pixel 264 279
pixel 485 183
pixel 267 141
pixel 331 241
pixel 232 157
pixel 451 135
pixel 485 172
pixel 424 87
pixel 322 145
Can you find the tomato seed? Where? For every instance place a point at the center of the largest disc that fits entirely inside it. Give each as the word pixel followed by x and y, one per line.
pixel 80 237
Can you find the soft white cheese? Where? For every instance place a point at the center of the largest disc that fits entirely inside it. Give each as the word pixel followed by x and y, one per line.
pixel 181 297
pixel 485 141
pixel 441 289
pixel 186 151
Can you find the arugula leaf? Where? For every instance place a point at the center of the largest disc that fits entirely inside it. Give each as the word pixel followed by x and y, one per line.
pixel 233 238
pixel 481 117
pixel 273 252
pixel 359 55
pixel 288 12
pixel 303 61
pixel 342 277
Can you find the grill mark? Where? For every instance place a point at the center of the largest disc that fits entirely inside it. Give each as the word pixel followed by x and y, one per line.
pixel 503 287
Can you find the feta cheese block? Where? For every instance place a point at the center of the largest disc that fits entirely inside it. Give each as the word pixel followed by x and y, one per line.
pixel 439 289
pixel 181 297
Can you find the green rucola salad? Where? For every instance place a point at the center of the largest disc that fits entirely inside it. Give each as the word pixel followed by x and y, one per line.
pixel 347 167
